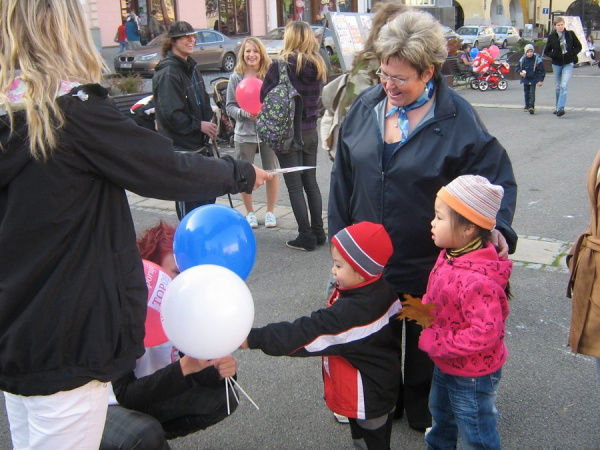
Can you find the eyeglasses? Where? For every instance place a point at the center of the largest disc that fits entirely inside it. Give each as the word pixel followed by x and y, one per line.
pixel 397 81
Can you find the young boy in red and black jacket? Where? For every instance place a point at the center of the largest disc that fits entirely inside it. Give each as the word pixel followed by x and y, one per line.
pixel 353 334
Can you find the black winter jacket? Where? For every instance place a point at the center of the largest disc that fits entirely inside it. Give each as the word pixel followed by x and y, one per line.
pixel 356 327
pixel 181 101
pixel 147 394
pixel 534 68
pixel 72 289
pixel 553 50
pixel 401 196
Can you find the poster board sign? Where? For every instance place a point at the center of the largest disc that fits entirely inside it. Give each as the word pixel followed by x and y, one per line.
pixel 573 23
pixel 350 31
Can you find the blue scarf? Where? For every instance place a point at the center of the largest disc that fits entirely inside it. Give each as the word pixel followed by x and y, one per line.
pixel 401 110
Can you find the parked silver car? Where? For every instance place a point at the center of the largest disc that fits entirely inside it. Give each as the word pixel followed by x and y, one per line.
pixel 273 40
pixel 479 36
pixel 213 50
pixel 506 36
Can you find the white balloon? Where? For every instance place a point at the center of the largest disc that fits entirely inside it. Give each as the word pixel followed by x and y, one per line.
pixel 207 311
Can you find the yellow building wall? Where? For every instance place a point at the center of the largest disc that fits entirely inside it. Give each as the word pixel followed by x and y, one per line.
pixel 477 12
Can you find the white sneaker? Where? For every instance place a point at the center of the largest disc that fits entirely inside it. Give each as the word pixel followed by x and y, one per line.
pixel 340 418
pixel 270 220
pixel 251 218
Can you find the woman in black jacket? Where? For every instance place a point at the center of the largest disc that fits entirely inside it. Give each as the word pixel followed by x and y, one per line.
pixel 563 47
pixel 72 289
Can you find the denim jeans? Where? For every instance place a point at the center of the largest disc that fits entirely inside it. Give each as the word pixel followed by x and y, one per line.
pixel 464 406
pixel 529 90
pixel 562 75
pixel 302 182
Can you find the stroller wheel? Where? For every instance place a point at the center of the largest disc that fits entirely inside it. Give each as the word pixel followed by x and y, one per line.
pixel 483 85
pixel 474 84
pixel 502 85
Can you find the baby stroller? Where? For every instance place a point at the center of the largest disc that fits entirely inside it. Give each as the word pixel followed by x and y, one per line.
pixel 490 74
pixel 226 124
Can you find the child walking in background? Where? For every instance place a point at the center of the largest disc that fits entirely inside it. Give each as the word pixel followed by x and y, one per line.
pixel 468 287
pixel 531 69
pixel 353 334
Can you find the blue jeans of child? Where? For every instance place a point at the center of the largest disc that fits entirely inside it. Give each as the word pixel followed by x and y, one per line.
pixel 562 75
pixel 464 406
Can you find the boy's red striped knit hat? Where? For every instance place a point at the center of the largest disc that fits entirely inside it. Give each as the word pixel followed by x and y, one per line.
pixel 366 246
pixel 474 198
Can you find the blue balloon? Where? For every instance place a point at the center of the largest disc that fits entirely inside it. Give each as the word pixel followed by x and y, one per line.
pixel 215 234
pixel 474 52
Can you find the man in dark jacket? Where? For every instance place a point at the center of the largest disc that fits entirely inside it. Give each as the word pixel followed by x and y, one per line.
pixel 183 111
pixel 562 46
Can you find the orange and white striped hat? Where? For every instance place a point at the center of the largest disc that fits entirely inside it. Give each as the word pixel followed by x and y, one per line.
pixel 474 198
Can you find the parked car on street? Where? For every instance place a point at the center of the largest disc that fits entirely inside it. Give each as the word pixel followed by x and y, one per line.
pixel 213 50
pixel 273 40
pixel 506 36
pixel 479 36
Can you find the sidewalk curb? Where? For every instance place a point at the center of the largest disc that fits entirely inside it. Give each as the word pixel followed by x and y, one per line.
pixel 532 251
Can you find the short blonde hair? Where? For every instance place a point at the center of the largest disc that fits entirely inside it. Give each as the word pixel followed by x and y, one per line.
pixel 415 37
pixel 49 42
pixel 265 60
pixel 559 19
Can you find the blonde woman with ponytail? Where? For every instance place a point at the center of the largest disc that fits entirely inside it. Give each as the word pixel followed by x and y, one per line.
pixel 72 289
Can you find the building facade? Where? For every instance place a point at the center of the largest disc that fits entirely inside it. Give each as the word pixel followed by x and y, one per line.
pixel 256 17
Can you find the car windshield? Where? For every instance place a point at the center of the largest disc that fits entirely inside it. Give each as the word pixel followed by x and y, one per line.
pixel 277 33
pixel 501 30
pixel 467 31
pixel 158 40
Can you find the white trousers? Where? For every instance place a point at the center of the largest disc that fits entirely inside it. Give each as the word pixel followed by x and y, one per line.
pixel 65 420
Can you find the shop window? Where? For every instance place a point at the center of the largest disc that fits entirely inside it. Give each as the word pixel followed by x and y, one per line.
pixel 165 10
pixel 230 17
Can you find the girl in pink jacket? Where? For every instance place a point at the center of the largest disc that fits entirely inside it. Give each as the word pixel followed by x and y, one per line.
pixel 468 288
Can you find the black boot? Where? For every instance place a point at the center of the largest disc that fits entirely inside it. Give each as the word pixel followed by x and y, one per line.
pixel 304 241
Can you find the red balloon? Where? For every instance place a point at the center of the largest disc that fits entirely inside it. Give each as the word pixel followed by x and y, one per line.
pixel 494 51
pixel 157 281
pixel 247 94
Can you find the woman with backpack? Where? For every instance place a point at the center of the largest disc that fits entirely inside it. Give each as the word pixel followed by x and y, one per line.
pixel 307 73
pixel 253 61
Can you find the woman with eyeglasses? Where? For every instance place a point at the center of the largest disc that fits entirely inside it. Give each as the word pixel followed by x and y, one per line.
pixel 401 141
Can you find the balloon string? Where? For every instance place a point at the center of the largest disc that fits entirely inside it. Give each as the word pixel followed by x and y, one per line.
pixel 257 141
pixel 227 395
pixel 233 391
pixel 243 392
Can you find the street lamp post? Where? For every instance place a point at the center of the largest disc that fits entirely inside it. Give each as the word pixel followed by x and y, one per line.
pixel 549 17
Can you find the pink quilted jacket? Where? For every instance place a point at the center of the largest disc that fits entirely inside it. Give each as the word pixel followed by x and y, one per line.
pixel 467 337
